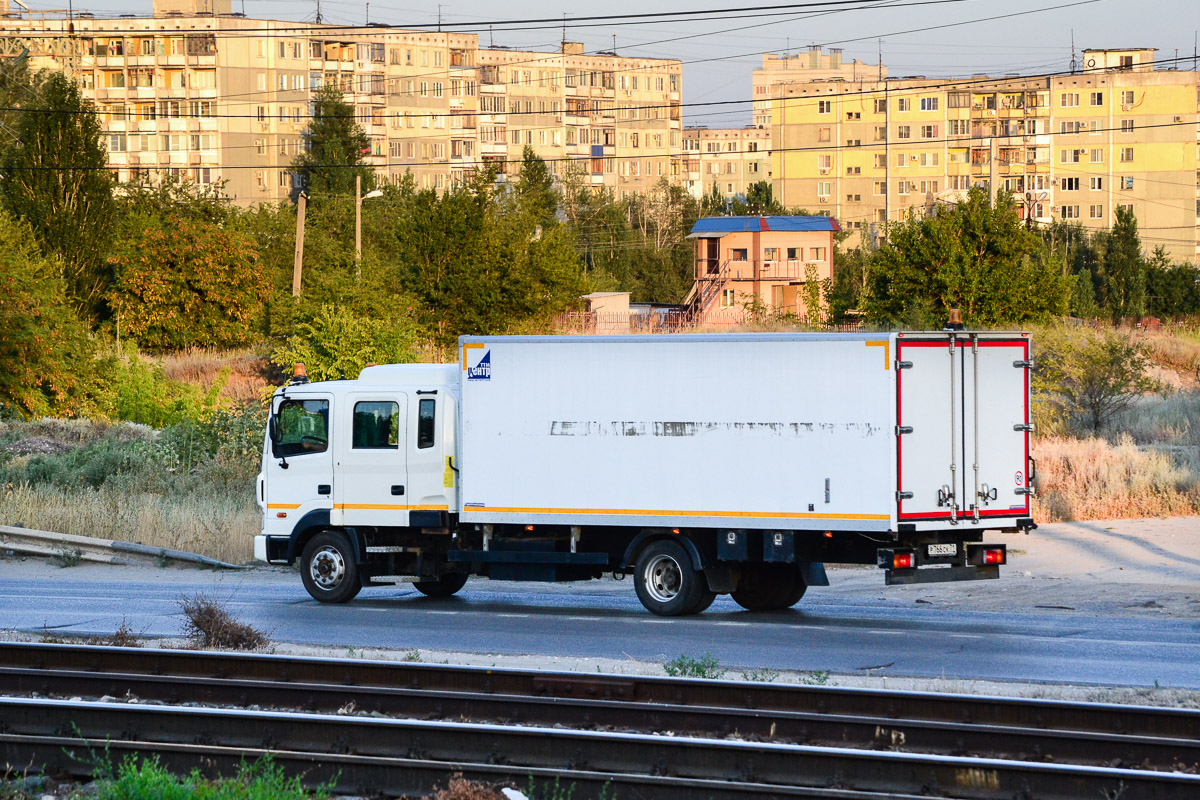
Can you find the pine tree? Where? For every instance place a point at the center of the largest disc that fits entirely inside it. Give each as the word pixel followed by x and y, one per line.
pixel 336 147
pixel 55 178
pixel 1125 268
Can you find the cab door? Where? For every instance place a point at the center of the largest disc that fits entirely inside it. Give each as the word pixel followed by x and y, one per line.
pixel 430 471
pixel 372 487
pixel 298 471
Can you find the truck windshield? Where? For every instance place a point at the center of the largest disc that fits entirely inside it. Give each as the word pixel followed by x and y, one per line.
pixel 302 427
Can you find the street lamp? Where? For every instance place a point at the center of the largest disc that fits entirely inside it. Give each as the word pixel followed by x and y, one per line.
pixel 358 198
pixel 1031 201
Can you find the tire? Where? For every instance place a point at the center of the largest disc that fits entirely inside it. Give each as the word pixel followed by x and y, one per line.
pixel 443 586
pixel 328 568
pixel 769 587
pixel 665 581
pixel 706 599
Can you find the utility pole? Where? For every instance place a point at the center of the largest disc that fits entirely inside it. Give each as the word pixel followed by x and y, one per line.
pixel 357 221
pixel 992 170
pixel 298 265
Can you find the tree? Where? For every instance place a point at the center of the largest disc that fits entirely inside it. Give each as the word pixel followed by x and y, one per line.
pixel 534 188
pixel 55 177
pixel 182 282
pixel 1088 376
pixel 336 145
pixel 976 257
pixel 1125 268
pixel 337 343
pixel 45 352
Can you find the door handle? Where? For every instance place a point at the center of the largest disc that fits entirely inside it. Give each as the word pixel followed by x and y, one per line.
pixel 397 491
pixel 324 488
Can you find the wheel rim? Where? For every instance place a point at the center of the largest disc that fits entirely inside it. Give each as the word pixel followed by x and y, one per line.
pixel 663 578
pixel 327 568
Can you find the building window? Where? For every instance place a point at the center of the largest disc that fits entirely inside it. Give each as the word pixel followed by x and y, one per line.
pixel 1127 182
pixel 824 189
pixel 1070 212
pixel 880 188
pixel 853 170
pixel 1096 184
pixel 1096 211
pixel 728 298
pixel 816 254
pixel 903 104
pixel 824 163
pixel 929 104
pixel 1126 154
pixel 1070 184
pixel 929 131
pixel 1126 126
pixel 880 161
pixel 1069 100
pixel 824 106
pixel 903 132
pixel 1097 98
pixel 823 134
pixel 880 106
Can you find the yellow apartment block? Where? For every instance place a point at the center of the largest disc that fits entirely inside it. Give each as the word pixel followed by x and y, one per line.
pixel 732 159
pixel 615 122
pixel 813 65
pixel 214 97
pixel 1074 147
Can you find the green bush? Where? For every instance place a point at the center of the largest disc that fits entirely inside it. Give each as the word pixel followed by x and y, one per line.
pixel 706 666
pixel 147 779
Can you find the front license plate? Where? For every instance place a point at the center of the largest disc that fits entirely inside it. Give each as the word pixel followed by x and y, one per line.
pixel 943 549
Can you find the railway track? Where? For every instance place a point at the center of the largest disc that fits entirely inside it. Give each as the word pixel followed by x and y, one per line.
pixel 399 728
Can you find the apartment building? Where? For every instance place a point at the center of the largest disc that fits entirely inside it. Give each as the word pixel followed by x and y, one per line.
pixel 214 97
pixel 1073 146
pixel 812 65
pixel 732 159
pixel 612 121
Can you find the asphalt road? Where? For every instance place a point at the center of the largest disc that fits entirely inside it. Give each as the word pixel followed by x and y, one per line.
pixel 604 620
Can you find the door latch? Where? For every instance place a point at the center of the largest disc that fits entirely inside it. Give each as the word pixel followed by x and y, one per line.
pixel 945 496
pixel 987 493
pixel 324 488
pixel 397 491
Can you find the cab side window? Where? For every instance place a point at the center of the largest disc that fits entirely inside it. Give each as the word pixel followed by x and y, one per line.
pixel 376 426
pixel 302 427
pixel 426 412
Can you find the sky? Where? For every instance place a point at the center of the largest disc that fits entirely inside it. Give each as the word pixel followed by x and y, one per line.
pixel 934 38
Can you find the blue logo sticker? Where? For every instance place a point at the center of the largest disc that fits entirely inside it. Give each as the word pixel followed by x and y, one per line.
pixel 482 371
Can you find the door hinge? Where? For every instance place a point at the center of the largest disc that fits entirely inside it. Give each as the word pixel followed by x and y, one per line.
pixel 1023 428
pixel 903 365
pixel 903 496
pixel 903 429
pixel 1029 491
pixel 1023 364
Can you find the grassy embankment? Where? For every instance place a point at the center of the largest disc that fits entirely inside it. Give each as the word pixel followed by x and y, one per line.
pixel 190 485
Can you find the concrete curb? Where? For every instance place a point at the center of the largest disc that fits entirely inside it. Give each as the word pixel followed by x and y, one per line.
pixel 103 551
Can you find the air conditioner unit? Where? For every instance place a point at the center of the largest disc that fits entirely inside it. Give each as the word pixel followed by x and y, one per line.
pixel 1126 107
pixel 824 170
pixel 1179 119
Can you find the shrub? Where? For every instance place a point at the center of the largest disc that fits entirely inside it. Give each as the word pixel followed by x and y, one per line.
pixel 209 625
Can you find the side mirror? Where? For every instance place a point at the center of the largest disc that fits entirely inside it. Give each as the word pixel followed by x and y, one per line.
pixel 273 428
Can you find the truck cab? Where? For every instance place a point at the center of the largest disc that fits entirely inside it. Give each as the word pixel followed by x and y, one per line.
pixel 353 468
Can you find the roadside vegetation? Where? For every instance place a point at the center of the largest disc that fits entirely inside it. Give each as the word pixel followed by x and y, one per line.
pixel 144 324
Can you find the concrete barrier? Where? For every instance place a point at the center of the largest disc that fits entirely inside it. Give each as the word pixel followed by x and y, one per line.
pixel 27 541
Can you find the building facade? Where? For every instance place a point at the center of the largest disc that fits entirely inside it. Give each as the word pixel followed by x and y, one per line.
pixel 732 159
pixel 217 98
pixel 1072 147
pixel 813 65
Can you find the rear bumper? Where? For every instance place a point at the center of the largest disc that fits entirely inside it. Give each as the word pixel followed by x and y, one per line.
pixel 897 577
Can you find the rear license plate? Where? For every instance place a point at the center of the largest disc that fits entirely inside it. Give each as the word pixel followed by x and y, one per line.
pixel 942 549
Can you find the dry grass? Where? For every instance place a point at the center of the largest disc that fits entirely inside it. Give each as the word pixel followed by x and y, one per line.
pixel 215 526
pixel 1095 479
pixel 1178 350
pixel 462 789
pixel 209 625
pixel 245 372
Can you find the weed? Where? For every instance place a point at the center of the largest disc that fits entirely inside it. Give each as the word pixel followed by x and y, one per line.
pixel 413 655
pixel 65 557
pixel 462 789
pixel 557 791
pixel 818 677
pixel 764 675
pixel 259 780
pixel 124 637
pixel 685 666
pixel 209 625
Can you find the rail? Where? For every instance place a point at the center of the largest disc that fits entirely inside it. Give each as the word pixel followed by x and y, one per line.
pixel 383 726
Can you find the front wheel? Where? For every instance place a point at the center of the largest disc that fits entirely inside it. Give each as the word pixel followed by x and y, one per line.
pixel 665 581
pixel 328 568
pixel 444 586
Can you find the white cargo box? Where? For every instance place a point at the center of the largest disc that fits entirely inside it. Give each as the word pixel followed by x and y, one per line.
pixel 769 431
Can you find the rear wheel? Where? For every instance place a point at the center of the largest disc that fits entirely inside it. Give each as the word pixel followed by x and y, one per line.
pixel 328 568
pixel 665 581
pixel 443 586
pixel 769 587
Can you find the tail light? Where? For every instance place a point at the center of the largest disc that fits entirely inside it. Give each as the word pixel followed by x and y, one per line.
pixel 993 555
pixel 902 560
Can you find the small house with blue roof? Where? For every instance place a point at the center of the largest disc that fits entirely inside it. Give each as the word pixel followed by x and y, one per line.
pixel 740 259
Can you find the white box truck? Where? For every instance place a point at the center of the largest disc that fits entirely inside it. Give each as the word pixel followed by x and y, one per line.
pixel 698 464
